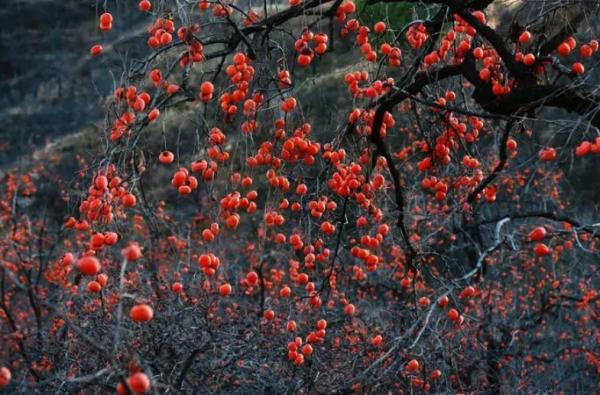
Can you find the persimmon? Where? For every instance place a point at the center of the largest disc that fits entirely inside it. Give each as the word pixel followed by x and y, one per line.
pixel 67 258
pixel 239 58
pixel 453 314
pixel 129 200
pixel 424 301
pixel 291 326
pixel 467 292
pixel 185 189
pixel 106 18
pixel 304 60
pixel 529 59
pixel 538 234
pixel 172 89
pixel 207 88
pixel 166 157
pixel 377 340
pixel 289 104
pixel 252 278
pixel 412 366
pixel 285 292
pixel 233 221
pixel 348 6
pixel 96 50
pixel 94 287
pixel 586 51
pixel 280 238
pixel 299 359
pixel 310 287
pixel 578 68
pixel 541 249
pixel 583 149
pixel 443 301
pixel 524 37
pixel 247 181
pixel 349 309
pixel 327 228
pixel 205 260
pixel 321 324
pixel 303 278
pixel 153 114
pixel 102 279
pixel 111 238
pixel 269 315
pixel 484 74
pixel 166 38
pixel 511 144
pixel 480 16
pixel 208 235
pixel 88 265
pixel 5 376
pixel 547 154
pixel 71 222
pixel 301 189
pixel 132 252
pixel 145 5
pixel 307 350
pixel 177 287
pixel 139 383
pixel 141 313
pixel 97 241
pixel 379 27
pixel 564 49
pixel 225 289
pixel 179 178
pixel 252 195
pixel 145 97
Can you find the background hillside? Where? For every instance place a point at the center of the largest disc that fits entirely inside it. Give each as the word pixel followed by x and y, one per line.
pixel 48 86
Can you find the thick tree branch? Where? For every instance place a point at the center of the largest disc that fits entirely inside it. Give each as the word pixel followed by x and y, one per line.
pixel 569 98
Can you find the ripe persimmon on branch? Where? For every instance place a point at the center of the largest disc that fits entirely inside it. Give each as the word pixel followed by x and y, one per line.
pixel 320 197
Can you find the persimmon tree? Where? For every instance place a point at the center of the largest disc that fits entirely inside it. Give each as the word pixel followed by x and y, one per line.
pixel 229 238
